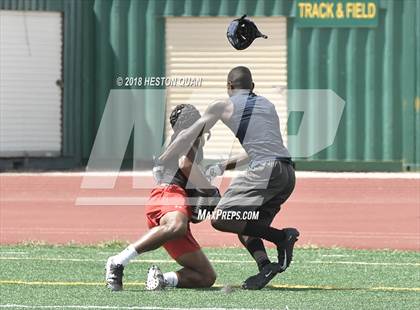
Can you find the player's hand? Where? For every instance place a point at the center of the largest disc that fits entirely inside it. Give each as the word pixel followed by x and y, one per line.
pixel 206 201
pixel 214 170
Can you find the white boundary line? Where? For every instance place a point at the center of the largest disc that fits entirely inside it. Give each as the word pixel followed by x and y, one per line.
pixel 216 261
pixel 329 234
pixel 299 174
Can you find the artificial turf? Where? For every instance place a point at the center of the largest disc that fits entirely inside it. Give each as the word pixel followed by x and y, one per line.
pixel 64 276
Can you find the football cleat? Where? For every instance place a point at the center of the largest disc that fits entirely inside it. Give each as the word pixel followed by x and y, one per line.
pixel 285 248
pixel 262 278
pixel 155 280
pixel 113 275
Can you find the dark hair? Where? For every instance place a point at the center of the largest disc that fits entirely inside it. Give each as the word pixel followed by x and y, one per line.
pixel 241 78
pixel 182 117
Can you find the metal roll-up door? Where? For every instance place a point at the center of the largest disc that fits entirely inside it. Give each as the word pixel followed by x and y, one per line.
pixel 30 97
pixel 197 47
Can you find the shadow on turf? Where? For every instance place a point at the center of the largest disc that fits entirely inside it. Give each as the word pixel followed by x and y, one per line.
pixel 236 288
pixel 308 289
pixel 227 289
pixel 190 289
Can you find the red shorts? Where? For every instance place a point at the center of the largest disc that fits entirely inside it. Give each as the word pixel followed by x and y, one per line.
pixel 154 212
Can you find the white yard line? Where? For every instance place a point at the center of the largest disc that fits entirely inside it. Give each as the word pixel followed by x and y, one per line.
pixel 224 261
pixel 128 231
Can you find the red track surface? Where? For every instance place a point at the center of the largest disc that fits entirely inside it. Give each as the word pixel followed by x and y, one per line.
pixel 354 213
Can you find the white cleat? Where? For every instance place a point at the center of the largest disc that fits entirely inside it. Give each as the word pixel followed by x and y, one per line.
pixel 113 275
pixel 155 280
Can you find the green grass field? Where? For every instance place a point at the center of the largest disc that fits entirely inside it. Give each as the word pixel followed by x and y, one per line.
pixel 72 277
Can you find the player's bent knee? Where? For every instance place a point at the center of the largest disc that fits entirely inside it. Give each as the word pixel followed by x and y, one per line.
pixel 209 281
pixel 208 278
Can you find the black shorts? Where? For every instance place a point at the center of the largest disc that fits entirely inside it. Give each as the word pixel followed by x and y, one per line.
pixel 263 187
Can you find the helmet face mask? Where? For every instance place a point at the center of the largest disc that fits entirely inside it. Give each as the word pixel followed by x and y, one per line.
pixel 242 32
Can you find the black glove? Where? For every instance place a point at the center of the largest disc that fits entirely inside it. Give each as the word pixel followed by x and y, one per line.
pixel 203 203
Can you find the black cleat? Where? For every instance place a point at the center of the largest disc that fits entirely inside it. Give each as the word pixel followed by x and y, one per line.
pixel 262 278
pixel 285 248
pixel 113 275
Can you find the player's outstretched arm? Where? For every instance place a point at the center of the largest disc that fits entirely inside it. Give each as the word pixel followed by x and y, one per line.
pixel 186 138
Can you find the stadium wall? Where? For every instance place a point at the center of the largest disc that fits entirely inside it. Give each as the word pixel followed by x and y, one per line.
pixel 375 70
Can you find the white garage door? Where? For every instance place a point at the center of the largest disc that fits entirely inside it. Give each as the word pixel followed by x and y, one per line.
pixel 30 100
pixel 197 47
